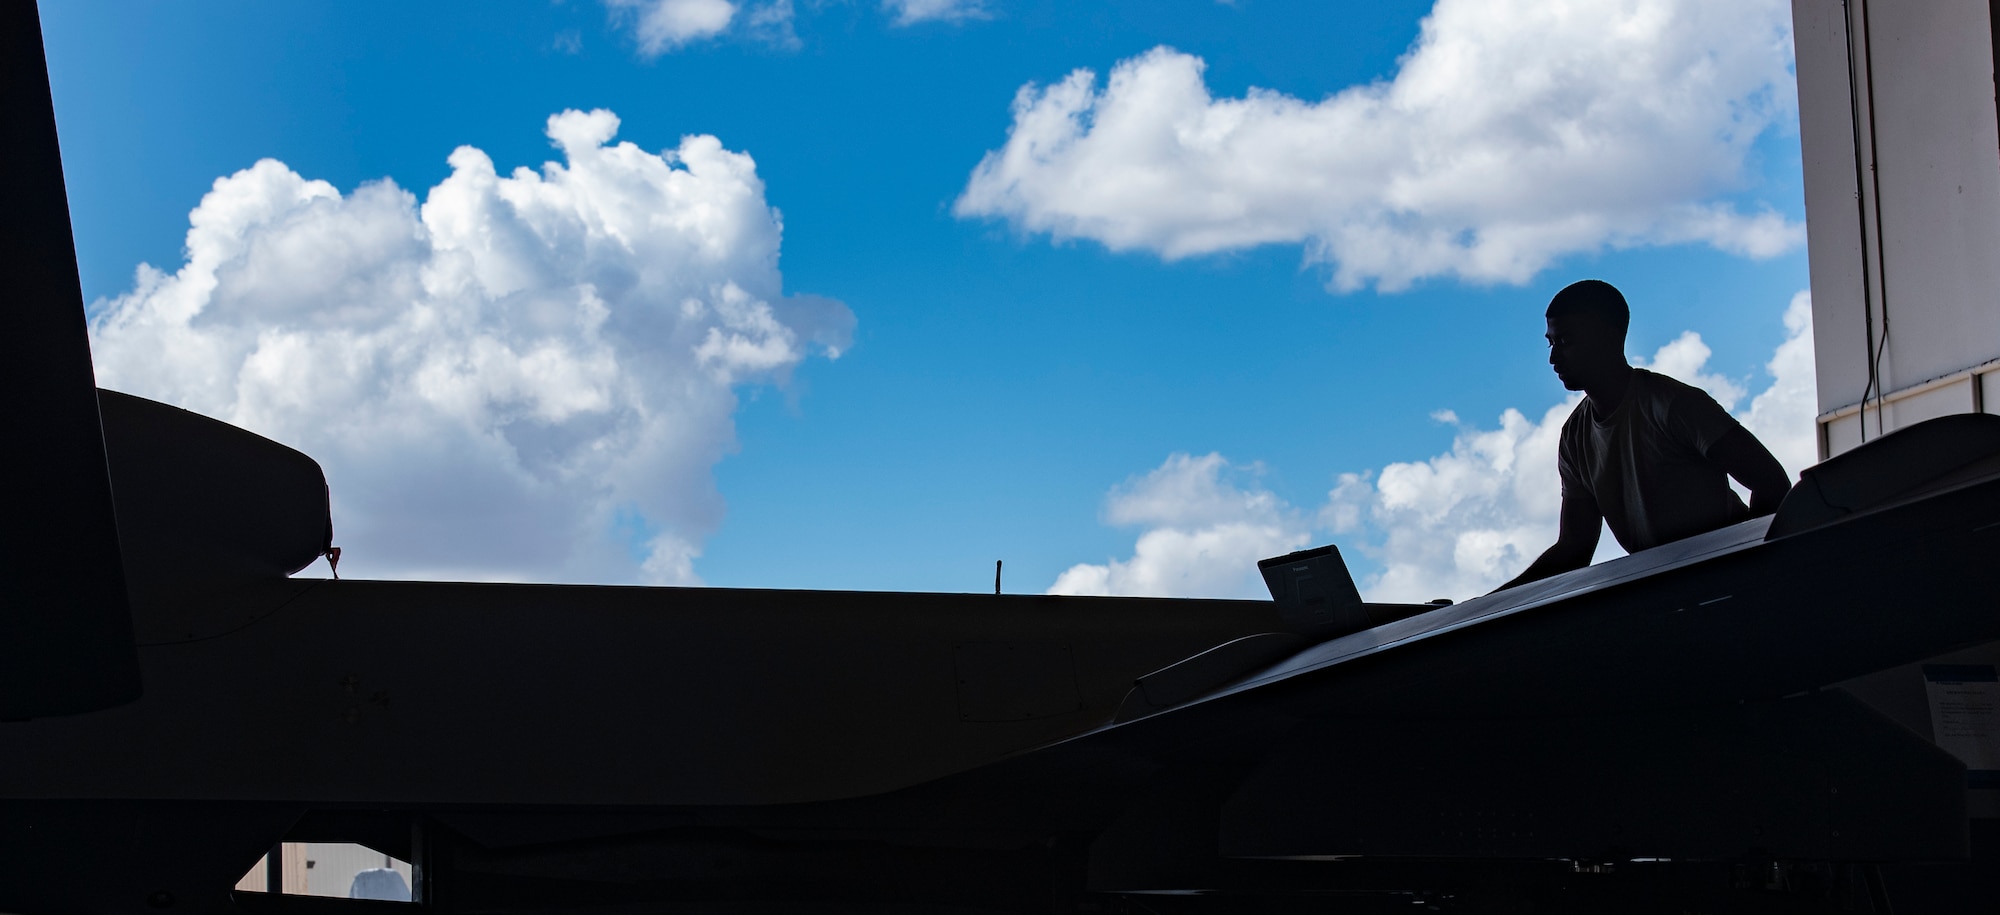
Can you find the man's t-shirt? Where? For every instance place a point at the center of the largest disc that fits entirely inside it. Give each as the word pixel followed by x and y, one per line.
pixel 1646 463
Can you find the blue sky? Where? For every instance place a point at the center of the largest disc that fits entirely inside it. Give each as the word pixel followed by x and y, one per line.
pixel 1010 390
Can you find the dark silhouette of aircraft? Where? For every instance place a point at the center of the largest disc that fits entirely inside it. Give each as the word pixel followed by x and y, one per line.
pixel 1651 733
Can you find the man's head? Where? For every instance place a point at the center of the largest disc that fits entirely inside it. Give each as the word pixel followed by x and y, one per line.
pixel 1587 322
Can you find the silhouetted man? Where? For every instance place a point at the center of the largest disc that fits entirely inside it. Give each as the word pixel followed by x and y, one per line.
pixel 1647 455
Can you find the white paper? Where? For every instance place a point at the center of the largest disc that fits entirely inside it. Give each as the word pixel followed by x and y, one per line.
pixel 1965 712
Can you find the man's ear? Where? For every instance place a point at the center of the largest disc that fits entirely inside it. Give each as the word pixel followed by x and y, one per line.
pixel 1605 336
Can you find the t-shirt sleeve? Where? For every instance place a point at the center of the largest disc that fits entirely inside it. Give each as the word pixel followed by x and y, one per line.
pixel 1695 419
pixel 1568 463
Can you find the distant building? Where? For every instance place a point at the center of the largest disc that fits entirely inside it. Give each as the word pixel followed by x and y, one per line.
pixel 341 870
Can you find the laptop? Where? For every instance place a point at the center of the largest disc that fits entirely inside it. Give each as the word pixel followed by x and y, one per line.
pixel 1315 593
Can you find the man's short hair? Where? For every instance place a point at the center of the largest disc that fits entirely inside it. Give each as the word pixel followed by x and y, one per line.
pixel 1595 298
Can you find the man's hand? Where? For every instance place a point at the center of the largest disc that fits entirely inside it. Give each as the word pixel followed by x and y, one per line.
pixel 1576 540
pixel 1747 461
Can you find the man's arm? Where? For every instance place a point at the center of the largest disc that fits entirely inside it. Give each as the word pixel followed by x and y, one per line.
pixel 1745 459
pixel 1576 541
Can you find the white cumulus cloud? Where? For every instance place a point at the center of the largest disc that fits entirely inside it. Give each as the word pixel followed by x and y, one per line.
pixel 1514 132
pixel 1452 525
pixel 665 25
pixel 528 376
pixel 1782 416
pixel 908 12
pixel 1445 526
pixel 772 22
pixel 1203 533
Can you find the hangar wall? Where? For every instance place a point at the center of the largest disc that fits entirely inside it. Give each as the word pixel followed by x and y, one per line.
pixel 1898 122
pixel 1900 133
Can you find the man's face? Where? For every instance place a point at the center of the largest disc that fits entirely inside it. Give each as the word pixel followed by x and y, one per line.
pixel 1578 348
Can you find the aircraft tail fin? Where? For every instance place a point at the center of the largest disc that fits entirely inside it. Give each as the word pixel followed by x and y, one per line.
pixel 66 641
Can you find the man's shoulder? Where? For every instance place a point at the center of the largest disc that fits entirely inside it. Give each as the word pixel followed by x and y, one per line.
pixel 1578 415
pixel 1574 427
pixel 1664 386
pixel 1660 393
pixel 1684 411
pixel 1663 391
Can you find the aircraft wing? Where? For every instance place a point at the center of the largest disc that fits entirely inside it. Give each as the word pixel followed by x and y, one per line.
pixel 496 730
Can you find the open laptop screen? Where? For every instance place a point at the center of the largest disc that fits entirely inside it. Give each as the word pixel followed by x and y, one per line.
pixel 1315 592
